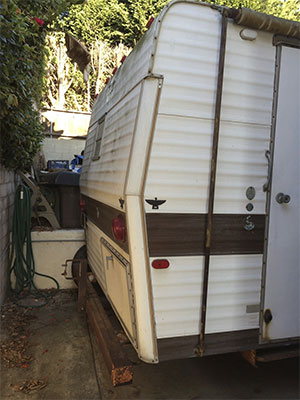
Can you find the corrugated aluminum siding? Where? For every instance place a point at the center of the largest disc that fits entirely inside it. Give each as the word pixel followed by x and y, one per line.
pixel 187 56
pixel 104 179
pixel 93 236
pixel 95 256
pixel 234 284
pixel 245 122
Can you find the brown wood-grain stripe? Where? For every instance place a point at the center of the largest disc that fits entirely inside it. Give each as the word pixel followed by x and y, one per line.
pixel 184 234
pixel 215 343
pixel 102 215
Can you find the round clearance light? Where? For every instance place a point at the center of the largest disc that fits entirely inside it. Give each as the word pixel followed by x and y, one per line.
pixel 248 34
pixel 119 228
pixel 160 264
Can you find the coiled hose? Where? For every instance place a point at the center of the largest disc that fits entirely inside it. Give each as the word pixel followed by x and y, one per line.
pixel 21 260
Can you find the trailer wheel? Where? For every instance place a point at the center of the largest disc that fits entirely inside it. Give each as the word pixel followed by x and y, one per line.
pixel 80 254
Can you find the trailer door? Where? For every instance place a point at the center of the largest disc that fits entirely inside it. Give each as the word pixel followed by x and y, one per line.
pixel 280 296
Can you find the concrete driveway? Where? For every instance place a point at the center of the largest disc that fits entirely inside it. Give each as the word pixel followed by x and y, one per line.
pixel 63 362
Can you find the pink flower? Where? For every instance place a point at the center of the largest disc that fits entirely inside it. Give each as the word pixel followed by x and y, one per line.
pixel 39 21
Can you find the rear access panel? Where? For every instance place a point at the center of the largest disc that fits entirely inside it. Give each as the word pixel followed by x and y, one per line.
pixel 280 308
pixel 118 286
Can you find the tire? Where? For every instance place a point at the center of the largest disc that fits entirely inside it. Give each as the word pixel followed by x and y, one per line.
pixel 80 254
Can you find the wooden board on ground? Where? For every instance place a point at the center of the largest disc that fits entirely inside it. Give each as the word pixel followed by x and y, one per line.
pixel 118 364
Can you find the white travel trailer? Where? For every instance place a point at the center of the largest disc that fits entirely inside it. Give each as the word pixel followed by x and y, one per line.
pixel 191 184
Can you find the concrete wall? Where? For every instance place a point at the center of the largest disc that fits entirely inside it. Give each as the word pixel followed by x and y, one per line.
pixel 62 149
pixel 51 249
pixel 7 190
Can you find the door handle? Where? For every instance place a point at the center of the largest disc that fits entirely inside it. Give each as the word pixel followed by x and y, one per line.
pixel 282 198
pixel 108 259
pixel 268 157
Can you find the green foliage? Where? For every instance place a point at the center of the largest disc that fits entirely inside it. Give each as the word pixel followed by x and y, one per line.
pixel 111 20
pixel 140 12
pixel 97 19
pixel 101 25
pixel 22 53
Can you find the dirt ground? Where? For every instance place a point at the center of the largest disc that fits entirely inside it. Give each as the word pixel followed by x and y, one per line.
pixel 51 353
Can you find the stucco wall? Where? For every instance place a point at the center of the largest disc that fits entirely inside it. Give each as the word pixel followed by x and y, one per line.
pixel 62 149
pixel 7 190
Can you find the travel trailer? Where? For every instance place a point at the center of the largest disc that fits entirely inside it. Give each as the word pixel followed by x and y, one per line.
pixel 191 184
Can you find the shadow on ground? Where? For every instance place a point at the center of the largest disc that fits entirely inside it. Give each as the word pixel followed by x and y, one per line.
pixel 50 353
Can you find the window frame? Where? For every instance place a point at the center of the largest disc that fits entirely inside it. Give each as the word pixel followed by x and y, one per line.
pixel 98 138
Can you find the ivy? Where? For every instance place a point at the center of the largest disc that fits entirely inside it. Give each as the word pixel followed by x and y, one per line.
pixel 23 31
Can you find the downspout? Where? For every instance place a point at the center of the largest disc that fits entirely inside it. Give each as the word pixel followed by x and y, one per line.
pixel 213 168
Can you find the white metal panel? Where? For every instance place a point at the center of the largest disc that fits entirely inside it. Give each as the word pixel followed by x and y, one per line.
pixel 88 154
pixel 248 78
pixel 283 263
pixel 145 125
pixel 187 55
pixel 180 158
pixel 241 163
pixel 179 164
pixel 234 284
pixel 134 68
pixel 245 122
pixel 147 347
pixel 93 237
pixel 104 179
pixel 117 287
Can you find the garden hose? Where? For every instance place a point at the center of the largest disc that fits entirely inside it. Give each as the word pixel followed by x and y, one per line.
pixel 21 260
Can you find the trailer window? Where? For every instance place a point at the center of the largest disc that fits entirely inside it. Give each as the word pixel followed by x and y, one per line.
pixel 99 135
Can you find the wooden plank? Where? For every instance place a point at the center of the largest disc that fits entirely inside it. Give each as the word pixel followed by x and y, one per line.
pixel 184 234
pixel 215 343
pixel 120 368
pixel 82 274
pixel 280 353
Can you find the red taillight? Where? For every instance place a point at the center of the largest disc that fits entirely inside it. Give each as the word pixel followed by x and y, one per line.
pixel 119 228
pixel 160 264
pixel 149 23
pixel 82 204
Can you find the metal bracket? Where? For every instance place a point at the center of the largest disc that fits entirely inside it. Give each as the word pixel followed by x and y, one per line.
pixel 39 204
pixel 249 225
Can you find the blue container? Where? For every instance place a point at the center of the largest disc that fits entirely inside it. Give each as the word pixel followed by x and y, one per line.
pixel 58 164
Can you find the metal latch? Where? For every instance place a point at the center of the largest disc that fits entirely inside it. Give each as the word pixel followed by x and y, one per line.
pixel 282 198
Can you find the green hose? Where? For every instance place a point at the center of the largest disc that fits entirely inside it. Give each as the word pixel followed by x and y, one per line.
pixel 21 260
